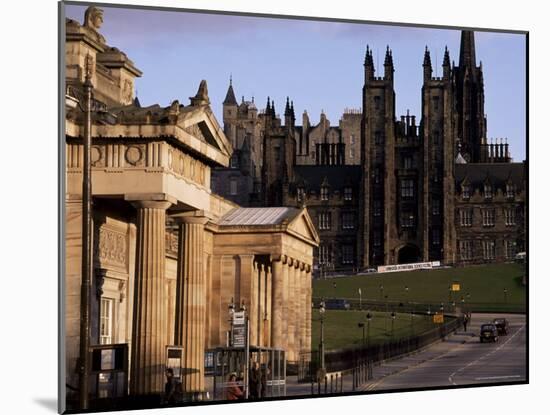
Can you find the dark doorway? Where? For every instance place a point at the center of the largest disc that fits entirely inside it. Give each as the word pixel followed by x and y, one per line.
pixel 408 254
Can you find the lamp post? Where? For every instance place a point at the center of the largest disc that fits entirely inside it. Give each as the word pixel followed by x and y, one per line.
pixel 369 318
pixel 392 323
pixel 322 343
pixel 231 310
pixel 362 325
pixel 360 303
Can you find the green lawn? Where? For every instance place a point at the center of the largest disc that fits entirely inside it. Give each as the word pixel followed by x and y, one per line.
pixel 485 285
pixel 341 330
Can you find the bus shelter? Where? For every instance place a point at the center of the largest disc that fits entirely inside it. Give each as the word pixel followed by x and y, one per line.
pixel 221 362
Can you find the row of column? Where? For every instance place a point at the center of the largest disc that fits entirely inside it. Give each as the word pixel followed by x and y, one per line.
pixel 261 316
pixel 291 300
pixel 149 320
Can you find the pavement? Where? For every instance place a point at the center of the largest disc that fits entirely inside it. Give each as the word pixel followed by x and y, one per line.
pixel 459 360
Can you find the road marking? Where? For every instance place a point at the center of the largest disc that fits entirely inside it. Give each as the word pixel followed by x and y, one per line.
pixel 451 380
pixel 498 377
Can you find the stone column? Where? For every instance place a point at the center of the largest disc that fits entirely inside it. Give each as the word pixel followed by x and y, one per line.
pixel 268 318
pixel 190 327
pixel 290 315
pixel 260 274
pixel 248 287
pixel 303 308
pixel 278 287
pixel 308 306
pixel 149 320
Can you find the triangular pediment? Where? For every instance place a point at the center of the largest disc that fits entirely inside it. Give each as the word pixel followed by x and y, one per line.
pixel 303 226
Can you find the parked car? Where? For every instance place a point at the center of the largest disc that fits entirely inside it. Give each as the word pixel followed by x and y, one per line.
pixel 337 304
pixel 488 331
pixel 502 325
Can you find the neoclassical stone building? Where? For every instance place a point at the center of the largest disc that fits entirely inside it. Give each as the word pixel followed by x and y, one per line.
pixel 169 255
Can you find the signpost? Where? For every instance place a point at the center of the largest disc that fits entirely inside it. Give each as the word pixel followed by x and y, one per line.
pixel 240 339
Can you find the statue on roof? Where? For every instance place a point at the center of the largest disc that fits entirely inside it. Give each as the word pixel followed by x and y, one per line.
pixel 93 18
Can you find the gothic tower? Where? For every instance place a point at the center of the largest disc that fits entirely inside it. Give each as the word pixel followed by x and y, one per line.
pixel 377 218
pixel 470 100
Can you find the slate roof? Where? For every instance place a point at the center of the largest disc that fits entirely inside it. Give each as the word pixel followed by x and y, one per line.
pixel 230 96
pixel 258 216
pixel 497 173
pixel 337 177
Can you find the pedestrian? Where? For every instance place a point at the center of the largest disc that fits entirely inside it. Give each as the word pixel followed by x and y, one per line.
pixel 465 321
pixel 170 387
pixel 263 381
pixel 254 381
pixel 233 392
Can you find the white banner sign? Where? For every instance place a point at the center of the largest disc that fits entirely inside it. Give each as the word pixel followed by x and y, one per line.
pixel 408 267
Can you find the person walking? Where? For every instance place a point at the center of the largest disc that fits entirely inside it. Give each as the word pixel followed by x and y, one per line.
pixel 254 381
pixel 170 387
pixel 465 321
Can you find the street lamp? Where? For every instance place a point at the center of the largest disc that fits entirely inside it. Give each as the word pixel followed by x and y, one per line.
pixel 322 343
pixel 392 321
pixel 231 310
pixel 369 317
pixel 362 326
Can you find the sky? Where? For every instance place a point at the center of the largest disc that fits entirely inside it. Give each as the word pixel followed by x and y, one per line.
pixel 318 64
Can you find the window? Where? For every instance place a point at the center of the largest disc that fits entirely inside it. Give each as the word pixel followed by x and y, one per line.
pixel 510 191
pixel 324 193
pixel 435 101
pixel 106 321
pixel 234 161
pixel 352 139
pixel 510 217
pixel 466 217
pixel 466 191
pixel 352 153
pixel 324 255
pixel 348 193
pixel 466 250
pixel 488 249
pixel 376 176
pixel 377 102
pixel 324 220
pixel 233 186
pixel 377 208
pixel 347 254
pixel 407 188
pixel 348 220
pixel 407 162
pixel 510 249
pixel 436 237
pixel 377 238
pixel 407 220
pixel 300 193
pixel 378 138
pixel 436 207
pixel 488 216
pixel 488 191
pixel 277 151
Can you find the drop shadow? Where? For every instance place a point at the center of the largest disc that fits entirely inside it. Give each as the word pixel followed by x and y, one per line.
pixel 48 403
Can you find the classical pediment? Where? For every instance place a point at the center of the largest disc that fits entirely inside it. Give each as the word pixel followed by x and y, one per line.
pixel 302 225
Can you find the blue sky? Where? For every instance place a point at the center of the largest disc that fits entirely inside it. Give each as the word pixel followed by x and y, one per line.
pixel 318 64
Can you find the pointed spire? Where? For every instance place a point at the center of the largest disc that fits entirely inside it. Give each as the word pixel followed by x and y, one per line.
pixel 467 49
pixel 230 96
pixel 427 58
pixel 136 102
pixel 292 110
pixel 388 59
pixel 287 107
pixel 267 108
pixel 369 64
pixel 201 98
pixel 273 114
pixel 446 59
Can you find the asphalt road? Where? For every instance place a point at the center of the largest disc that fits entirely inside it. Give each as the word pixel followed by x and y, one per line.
pixel 460 360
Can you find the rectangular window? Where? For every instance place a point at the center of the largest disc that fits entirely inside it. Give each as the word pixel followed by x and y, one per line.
pixel 300 193
pixel 466 192
pixel 466 217
pixel 324 255
pixel 510 191
pixel 407 162
pixel 407 220
pixel 488 249
pixel 348 220
pixel 436 207
pixel 407 188
pixel 106 321
pixel 233 187
pixel 466 250
pixel 348 193
pixel 324 193
pixel 510 249
pixel 378 137
pixel 235 161
pixel 377 102
pixel 377 238
pixel 377 208
pixel 324 221
pixel 488 217
pixel 488 191
pixel 436 237
pixel 510 217
pixel 352 153
pixel 347 254
pixel 435 101
pixel 352 139
pixel 376 175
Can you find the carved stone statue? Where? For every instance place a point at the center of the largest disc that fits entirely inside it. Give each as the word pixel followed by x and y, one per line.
pixel 93 18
